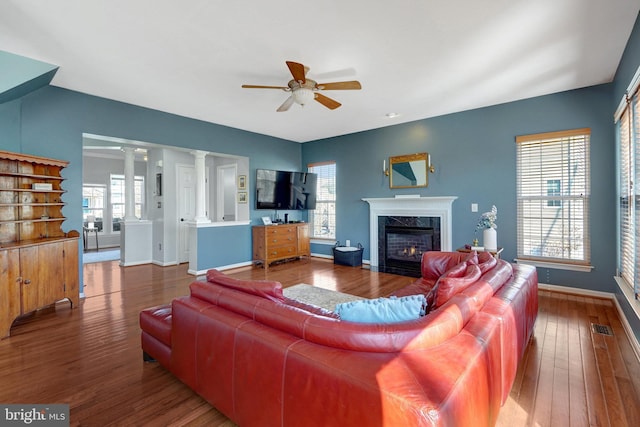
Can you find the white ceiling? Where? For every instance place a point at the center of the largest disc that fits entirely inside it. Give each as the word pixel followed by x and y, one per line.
pixel 416 58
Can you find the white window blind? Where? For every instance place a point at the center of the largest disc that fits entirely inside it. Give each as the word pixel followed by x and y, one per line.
pixel 93 204
pixel 323 218
pixel 627 265
pixel 629 173
pixel 117 198
pixel 553 193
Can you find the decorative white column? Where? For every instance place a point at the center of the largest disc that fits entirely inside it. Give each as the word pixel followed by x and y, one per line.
pixel 135 235
pixel 201 181
pixel 129 187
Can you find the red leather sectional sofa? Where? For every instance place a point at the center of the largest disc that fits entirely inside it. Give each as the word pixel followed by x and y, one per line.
pixel 265 360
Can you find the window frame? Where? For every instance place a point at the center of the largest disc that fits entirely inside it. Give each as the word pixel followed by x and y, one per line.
pixel 91 210
pixel 627 120
pixel 329 203
pixel 561 219
pixel 139 189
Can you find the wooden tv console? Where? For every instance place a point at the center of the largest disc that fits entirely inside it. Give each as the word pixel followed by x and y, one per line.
pixel 280 242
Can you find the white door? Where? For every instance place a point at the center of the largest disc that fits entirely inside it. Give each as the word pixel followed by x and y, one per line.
pixel 186 209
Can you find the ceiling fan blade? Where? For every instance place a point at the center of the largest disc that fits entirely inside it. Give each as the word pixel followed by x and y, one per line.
pixel 264 87
pixel 297 71
pixel 326 101
pixel 285 105
pixel 351 85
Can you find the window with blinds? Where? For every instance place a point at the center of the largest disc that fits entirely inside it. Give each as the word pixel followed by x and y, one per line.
pixel 323 218
pixel 628 128
pixel 553 198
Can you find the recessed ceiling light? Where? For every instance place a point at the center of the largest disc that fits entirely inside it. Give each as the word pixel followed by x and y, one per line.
pixel 392 115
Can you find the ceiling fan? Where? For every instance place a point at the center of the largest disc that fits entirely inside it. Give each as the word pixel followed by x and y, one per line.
pixel 303 90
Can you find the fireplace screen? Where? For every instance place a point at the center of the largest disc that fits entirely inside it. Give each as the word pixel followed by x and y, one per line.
pixel 405 246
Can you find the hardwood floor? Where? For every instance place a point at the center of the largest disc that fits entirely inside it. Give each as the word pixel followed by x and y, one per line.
pixel 90 357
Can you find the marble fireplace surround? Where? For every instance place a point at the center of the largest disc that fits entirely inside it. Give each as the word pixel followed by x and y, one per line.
pixel 412 206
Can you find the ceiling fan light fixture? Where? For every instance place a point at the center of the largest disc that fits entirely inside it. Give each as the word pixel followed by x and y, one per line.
pixel 303 95
pixel 304 90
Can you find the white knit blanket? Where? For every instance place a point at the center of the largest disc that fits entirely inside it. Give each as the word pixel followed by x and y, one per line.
pixel 320 297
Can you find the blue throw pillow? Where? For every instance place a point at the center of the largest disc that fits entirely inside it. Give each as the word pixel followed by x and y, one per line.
pixel 383 310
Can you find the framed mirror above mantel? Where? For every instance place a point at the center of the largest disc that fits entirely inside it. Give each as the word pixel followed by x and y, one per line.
pixel 409 171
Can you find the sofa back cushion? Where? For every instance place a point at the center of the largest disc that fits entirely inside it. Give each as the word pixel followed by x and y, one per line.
pixel 310 308
pixel 499 275
pixel 435 263
pixel 263 288
pixel 454 282
pixel 249 302
pixel 486 261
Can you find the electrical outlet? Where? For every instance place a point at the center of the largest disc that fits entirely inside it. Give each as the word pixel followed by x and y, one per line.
pixel 348 242
pixel 474 207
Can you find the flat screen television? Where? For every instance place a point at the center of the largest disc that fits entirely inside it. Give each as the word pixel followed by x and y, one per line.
pixel 283 190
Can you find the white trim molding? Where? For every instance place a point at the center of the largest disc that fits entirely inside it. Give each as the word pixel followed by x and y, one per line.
pixel 439 207
pixel 556 265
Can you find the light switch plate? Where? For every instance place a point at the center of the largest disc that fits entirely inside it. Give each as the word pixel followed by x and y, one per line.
pixel 474 207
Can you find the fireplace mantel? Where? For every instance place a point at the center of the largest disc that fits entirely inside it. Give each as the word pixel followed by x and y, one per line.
pixel 439 206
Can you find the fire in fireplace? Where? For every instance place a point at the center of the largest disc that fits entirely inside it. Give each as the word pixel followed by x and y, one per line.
pixel 403 239
pixel 404 247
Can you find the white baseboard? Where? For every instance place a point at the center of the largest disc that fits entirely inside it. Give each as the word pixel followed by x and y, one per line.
pixel 220 268
pixel 164 263
pixel 605 295
pixel 576 291
pixel 132 263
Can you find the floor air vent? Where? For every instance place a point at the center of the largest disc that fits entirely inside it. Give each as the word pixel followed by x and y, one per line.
pixel 601 329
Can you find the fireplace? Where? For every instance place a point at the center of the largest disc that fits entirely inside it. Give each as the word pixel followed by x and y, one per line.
pixel 428 217
pixel 403 240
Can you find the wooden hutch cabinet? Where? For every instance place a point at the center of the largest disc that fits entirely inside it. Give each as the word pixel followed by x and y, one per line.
pixel 38 261
pixel 279 242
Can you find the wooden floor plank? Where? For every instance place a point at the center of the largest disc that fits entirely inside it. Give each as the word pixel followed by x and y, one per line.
pixel 560 403
pixel 90 357
pixel 578 415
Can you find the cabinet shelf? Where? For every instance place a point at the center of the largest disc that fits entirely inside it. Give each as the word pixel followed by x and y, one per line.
pixel 30 190
pixel 3 205
pixel 31 176
pixel 25 220
pixel 38 260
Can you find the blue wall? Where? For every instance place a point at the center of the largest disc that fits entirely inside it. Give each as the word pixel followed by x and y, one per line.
pixel 50 122
pixel 628 64
pixel 474 153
